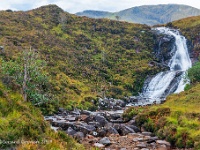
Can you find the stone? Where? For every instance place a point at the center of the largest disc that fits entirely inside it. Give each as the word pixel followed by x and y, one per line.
pixel 152 139
pixel 115 116
pixel 79 136
pixel 162 142
pixel 105 141
pixel 83 117
pixel 86 112
pixel 99 145
pixel 126 130
pixel 101 132
pixel 71 118
pixel 141 145
pixel 147 133
pixel 86 129
pixel 136 139
pixel 95 124
pixel 70 131
pixel 136 129
pixel 112 130
pixel 101 120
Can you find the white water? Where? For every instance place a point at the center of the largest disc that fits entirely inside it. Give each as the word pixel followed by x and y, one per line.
pixel 159 86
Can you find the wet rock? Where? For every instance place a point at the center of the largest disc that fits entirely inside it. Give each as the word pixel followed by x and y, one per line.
pixel 125 130
pixel 71 118
pixel 79 136
pixel 76 112
pixel 136 129
pixel 101 120
pixel 99 145
pixel 62 124
pixel 105 141
pixel 70 131
pixel 86 129
pixel 152 139
pixel 101 132
pixel 86 112
pixel 112 130
pixel 83 117
pixel 115 116
pixel 95 124
pixel 132 99
pixel 131 122
pixel 61 110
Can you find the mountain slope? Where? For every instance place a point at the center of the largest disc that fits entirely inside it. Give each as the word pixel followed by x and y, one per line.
pixel 149 14
pixel 85 57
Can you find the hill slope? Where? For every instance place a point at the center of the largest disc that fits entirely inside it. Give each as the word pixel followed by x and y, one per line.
pixel 85 57
pixel 149 14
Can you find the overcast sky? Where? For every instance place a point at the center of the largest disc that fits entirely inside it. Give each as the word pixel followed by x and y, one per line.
pixel 74 6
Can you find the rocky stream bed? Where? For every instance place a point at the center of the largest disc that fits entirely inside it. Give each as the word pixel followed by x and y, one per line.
pixel 106 129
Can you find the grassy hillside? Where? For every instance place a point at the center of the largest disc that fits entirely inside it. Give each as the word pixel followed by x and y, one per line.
pixel 22 126
pixel 85 57
pixel 148 14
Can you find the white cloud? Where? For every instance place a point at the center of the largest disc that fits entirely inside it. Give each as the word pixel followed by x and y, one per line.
pixel 74 6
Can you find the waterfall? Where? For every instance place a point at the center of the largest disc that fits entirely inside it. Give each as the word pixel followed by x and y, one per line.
pixel 174 80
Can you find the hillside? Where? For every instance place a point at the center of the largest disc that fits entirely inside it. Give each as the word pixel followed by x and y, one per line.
pixel 148 14
pixel 85 57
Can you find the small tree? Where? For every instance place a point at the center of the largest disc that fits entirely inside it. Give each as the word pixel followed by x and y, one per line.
pixel 117 18
pixel 28 72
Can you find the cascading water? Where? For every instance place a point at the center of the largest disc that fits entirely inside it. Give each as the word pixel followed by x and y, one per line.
pixel 174 80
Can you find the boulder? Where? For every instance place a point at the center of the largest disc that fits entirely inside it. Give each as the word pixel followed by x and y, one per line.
pixel 99 145
pixel 105 141
pixel 70 131
pixel 101 120
pixel 79 136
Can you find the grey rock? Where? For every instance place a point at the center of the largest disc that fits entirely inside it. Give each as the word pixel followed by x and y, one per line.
pixel 99 145
pixel 152 139
pixel 70 131
pixel 101 120
pixel 147 133
pixel 101 132
pixel 112 130
pixel 141 145
pixel 105 141
pixel 79 136
pixel 136 129
pixel 162 142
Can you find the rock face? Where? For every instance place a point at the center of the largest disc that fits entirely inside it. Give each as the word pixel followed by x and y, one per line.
pixel 105 130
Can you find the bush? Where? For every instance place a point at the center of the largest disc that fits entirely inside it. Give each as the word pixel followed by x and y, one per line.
pixel 194 73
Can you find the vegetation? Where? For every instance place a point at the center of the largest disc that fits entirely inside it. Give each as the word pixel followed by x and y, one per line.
pixel 23 126
pixel 85 57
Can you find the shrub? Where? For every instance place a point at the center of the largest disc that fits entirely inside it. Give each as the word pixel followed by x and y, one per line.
pixel 194 73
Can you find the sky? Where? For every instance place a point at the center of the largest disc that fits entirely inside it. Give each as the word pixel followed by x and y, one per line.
pixel 73 6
